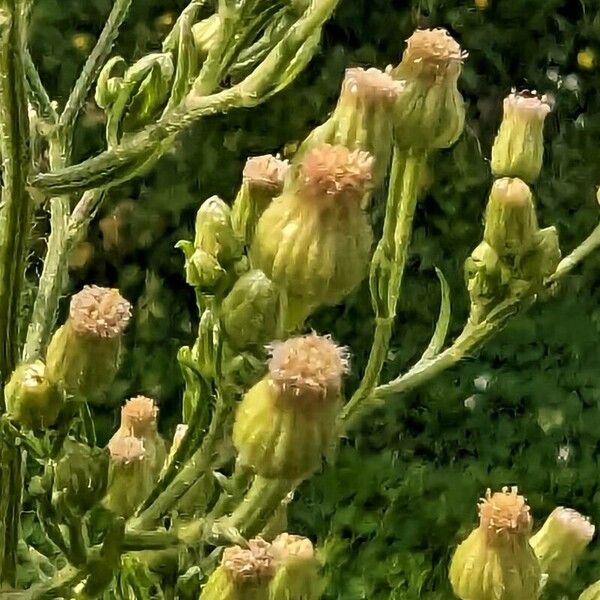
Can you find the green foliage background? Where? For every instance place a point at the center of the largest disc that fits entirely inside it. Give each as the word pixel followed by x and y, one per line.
pixel 526 411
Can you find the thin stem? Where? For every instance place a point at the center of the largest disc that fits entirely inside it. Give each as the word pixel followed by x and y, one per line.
pixel 15 217
pixel 37 92
pixel 388 267
pixel 92 67
pixel 567 264
pixel 122 162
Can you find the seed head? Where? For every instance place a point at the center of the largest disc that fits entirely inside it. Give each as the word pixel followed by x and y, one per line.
pixel 138 416
pixel 504 512
pixel 254 562
pixel 99 311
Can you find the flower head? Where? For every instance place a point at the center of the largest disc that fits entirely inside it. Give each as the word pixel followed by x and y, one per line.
pixel 292 547
pixel 126 449
pixel 308 366
pixel 504 512
pixel 266 171
pixel 336 172
pixel 370 86
pixel 100 312
pixel 138 416
pixel 256 562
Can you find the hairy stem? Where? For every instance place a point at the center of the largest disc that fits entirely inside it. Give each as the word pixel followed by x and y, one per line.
pixel 15 216
pixel 387 267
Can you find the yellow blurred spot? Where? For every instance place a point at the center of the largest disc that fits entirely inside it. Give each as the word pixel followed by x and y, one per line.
pixel 290 148
pixel 81 255
pixel 83 42
pixel 482 4
pixel 586 59
pixel 165 21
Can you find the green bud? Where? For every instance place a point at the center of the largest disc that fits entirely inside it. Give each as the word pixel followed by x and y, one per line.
pixel 262 180
pixel 519 146
pixel 244 573
pixel 561 541
pixel 544 257
pixel 510 220
pixel 591 593
pixel 315 240
pixel 31 399
pixel 285 424
pixel 81 475
pixel 430 112
pixel 83 354
pixel 249 312
pixel 496 561
pixel 361 119
pixel 215 234
pixel 134 98
pixel 204 352
pixel 297 576
pixel 131 475
pixel 203 270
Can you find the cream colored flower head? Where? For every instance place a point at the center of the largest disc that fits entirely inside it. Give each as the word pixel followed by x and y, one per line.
pixel 504 513
pixel 288 547
pixel 138 416
pixel 526 106
pixel 99 311
pixel 309 366
pixel 432 53
pixel 256 562
pixel 266 171
pixel 573 523
pixel 370 86
pixel 512 191
pixel 329 173
pixel 126 449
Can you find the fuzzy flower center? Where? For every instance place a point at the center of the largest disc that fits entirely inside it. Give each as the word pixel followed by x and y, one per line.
pixel 370 85
pixel 255 562
pixel 336 172
pixel 526 106
pixel 125 449
pixel 98 311
pixel 504 512
pixel 293 547
pixel 266 172
pixel 138 416
pixel 308 366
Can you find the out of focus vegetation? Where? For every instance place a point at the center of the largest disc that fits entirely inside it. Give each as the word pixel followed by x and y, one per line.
pixel 526 411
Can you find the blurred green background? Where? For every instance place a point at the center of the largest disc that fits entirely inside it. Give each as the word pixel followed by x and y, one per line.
pixel 525 411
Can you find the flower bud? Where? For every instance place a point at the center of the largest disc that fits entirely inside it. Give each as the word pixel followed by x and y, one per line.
pixel 139 419
pixel 519 146
pixel 561 541
pixel 285 424
pixel 131 476
pixel 83 355
pixel 510 220
pixel 31 399
pixel 314 241
pixel 361 119
pixel 244 573
pixel 591 593
pixel 297 576
pixel 249 312
pixel 81 475
pixel 430 113
pixel 214 232
pixel 262 180
pixel 496 560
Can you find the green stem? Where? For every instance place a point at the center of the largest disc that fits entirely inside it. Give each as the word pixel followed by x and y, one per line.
pixel 37 92
pixel 567 264
pixel 15 217
pixel 92 68
pixel 387 267
pixel 77 546
pixel 118 164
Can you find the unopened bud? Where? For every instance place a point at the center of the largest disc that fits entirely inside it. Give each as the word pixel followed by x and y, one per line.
pixel 262 181
pixel 285 424
pixel 131 476
pixel 31 399
pixel 297 576
pixel 561 541
pixel 519 146
pixel 250 311
pixel 361 119
pixel 83 355
pixel 81 475
pixel 244 573
pixel 314 241
pixel 496 560
pixel 510 220
pixel 430 112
